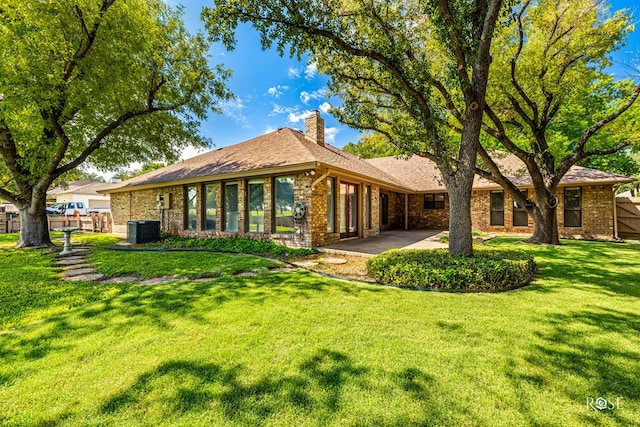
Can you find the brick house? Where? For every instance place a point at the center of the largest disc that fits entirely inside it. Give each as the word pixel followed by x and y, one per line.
pixel 295 189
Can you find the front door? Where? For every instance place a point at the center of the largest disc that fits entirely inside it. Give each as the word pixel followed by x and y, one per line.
pixel 348 210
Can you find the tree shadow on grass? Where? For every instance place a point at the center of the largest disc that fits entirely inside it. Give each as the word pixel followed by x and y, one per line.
pixel 601 347
pixel 156 307
pixel 602 267
pixel 180 387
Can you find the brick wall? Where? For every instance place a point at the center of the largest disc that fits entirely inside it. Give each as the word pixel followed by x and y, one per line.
pixel 396 211
pixel 597 214
pixel 424 219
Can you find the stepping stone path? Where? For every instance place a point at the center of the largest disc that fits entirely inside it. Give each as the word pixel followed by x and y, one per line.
pixel 76 269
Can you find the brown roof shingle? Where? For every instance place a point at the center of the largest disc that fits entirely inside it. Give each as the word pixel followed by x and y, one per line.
pixel 281 148
pixel 422 175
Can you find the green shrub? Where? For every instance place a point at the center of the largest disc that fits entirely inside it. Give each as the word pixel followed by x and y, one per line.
pixel 489 269
pixel 235 245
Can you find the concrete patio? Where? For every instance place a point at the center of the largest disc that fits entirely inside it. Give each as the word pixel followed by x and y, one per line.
pixel 399 239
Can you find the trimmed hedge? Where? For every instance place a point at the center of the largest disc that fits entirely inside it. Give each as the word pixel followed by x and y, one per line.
pixel 488 270
pixel 242 245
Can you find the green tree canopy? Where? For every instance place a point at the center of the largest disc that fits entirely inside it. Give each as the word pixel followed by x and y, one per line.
pixel 550 101
pixel 414 71
pixel 103 83
pixel 372 145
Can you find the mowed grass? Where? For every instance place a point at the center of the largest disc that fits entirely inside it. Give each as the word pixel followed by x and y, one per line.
pixel 295 348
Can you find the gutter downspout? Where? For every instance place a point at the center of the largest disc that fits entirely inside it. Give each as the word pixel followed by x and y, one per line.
pixel 320 178
pixel 614 188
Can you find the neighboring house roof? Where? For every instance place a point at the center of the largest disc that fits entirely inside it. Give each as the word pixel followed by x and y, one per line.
pixel 281 150
pixel 423 175
pixel 85 186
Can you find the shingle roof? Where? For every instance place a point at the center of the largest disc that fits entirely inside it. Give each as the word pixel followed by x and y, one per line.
pixel 84 186
pixel 281 148
pixel 422 175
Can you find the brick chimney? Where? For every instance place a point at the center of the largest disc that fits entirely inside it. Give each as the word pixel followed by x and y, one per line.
pixel 314 127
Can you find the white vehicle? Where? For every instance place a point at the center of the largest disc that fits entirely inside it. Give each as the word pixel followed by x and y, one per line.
pixel 73 208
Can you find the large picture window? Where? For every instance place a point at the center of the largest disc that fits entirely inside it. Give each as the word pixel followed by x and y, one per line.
pixel 573 207
pixel 331 205
pixel 497 208
pixel 433 201
pixel 231 206
pixel 283 202
pixel 191 206
pixel 210 206
pixel 520 215
pixel 256 205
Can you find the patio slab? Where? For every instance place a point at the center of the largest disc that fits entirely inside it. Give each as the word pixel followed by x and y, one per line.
pixel 394 239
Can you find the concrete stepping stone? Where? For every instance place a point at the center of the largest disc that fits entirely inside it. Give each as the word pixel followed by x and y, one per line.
pixel 305 263
pixel 158 280
pixel 79 271
pixel 75 267
pixel 121 279
pixel 331 260
pixel 71 261
pixel 91 277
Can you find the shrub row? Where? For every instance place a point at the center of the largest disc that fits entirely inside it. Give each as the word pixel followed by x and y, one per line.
pixel 236 245
pixel 489 269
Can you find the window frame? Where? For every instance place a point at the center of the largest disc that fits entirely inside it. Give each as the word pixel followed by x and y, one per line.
pixel 225 212
pixel 205 206
pixel 188 221
pixel 249 183
pixel 492 221
pixel 519 210
pixel 275 214
pixel 331 204
pixel 578 209
pixel 429 201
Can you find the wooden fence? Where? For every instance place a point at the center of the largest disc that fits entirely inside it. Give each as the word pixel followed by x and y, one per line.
pixel 95 222
pixel 628 217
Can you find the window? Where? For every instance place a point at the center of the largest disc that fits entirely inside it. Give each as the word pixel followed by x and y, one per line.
pixel 520 216
pixel 80 205
pixel 384 205
pixel 283 198
pixel 191 194
pixel 231 206
pixel 210 206
pixel 573 207
pixel 497 208
pixel 367 207
pixel 256 205
pixel 434 201
pixel 331 205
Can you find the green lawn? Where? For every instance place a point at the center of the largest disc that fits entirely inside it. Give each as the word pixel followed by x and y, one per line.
pixel 299 349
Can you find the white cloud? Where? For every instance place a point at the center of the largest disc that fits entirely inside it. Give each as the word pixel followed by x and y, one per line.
pixel 276 91
pixel 279 109
pixel 233 109
pixel 330 134
pixel 295 117
pixel 294 72
pixel 325 107
pixel 317 95
pixel 311 71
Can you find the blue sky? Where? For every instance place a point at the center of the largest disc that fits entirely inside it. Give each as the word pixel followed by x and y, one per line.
pixel 273 91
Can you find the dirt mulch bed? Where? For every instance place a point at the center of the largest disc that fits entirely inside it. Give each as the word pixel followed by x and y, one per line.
pixel 354 268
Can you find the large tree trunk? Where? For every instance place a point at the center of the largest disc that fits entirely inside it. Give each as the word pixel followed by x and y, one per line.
pixel 34 227
pixel 460 237
pixel 545 218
